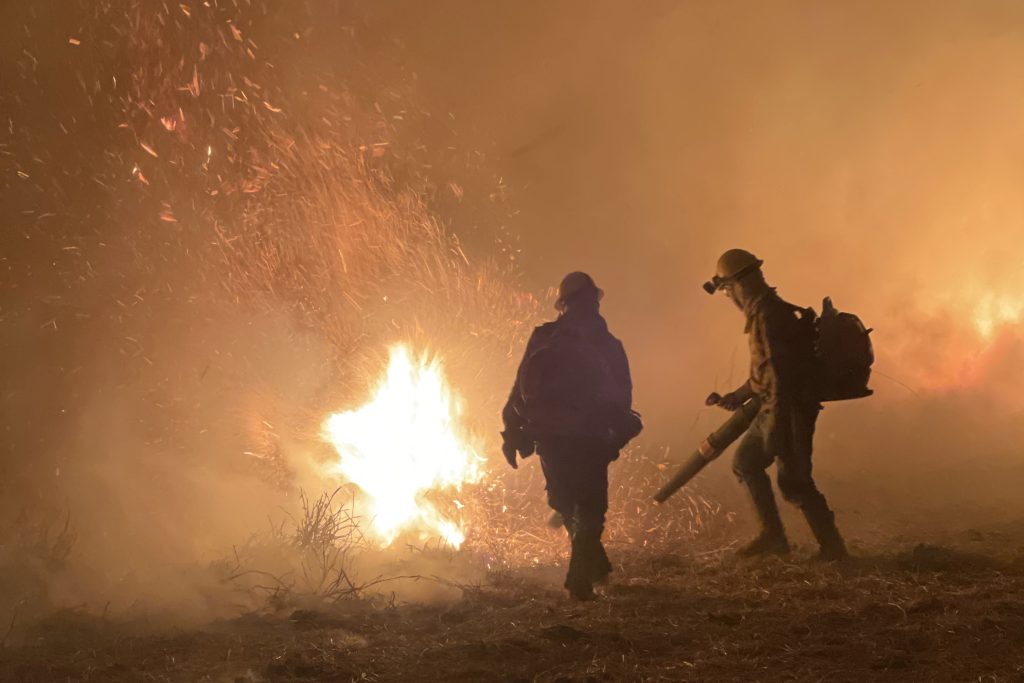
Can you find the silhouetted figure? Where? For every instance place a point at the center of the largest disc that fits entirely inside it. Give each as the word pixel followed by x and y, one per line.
pixel 572 402
pixel 783 373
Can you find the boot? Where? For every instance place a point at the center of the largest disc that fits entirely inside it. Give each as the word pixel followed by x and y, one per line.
pixel 580 587
pixel 581 592
pixel 768 542
pixel 578 580
pixel 823 526
pixel 601 566
pixel 772 539
pixel 588 564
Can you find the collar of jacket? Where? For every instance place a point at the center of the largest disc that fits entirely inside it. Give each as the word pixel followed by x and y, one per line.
pixel 587 318
pixel 752 306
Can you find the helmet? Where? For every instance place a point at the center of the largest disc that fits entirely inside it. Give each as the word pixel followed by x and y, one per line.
pixel 573 284
pixel 732 265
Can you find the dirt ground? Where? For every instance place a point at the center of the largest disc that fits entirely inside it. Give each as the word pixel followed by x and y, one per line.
pixel 901 611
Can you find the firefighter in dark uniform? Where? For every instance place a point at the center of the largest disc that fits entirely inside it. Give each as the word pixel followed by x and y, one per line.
pixel 783 375
pixel 575 464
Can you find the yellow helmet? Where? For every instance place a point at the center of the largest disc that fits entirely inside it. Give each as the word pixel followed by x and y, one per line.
pixel 732 265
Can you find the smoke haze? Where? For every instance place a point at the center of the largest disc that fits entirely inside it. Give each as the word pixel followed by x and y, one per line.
pixel 868 151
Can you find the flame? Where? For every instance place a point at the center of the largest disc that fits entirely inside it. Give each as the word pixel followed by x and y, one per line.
pixel 402 445
pixel 993 311
pixel 970 341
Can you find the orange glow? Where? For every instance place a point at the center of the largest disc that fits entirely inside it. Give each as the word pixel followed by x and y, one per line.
pixel 993 311
pixel 972 342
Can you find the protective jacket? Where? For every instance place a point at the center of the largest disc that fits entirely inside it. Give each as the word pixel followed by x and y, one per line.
pixel 594 326
pixel 782 358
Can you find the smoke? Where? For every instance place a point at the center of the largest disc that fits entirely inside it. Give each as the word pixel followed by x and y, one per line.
pixel 214 237
pixel 219 218
pixel 867 151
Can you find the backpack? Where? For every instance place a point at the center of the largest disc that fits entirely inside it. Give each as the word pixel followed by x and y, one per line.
pixel 845 354
pixel 568 388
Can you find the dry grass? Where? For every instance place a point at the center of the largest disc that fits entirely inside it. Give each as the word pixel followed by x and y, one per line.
pixel 33 551
pixel 301 561
pixel 507 522
pixel 926 614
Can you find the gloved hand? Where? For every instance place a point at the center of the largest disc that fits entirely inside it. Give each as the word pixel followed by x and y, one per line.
pixel 731 401
pixel 509 450
pixel 517 440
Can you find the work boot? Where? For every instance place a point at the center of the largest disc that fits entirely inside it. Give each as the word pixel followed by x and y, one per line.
pixel 772 539
pixel 580 589
pixel 581 592
pixel 832 554
pixel 832 550
pixel 823 526
pixel 578 580
pixel 588 563
pixel 601 566
pixel 766 543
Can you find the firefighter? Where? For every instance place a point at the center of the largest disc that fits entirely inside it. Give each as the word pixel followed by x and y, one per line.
pixel 783 374
pixel 572 401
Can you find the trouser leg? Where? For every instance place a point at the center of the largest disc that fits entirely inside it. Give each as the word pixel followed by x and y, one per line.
pixel 559 486
pixel 591 508
pixel 797 483
pixel 577 485
pixel 749 465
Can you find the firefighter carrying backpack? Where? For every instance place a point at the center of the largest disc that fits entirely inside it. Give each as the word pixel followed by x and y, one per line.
pixel 845 354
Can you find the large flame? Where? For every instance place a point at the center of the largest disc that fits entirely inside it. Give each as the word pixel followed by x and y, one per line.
pixel 403 444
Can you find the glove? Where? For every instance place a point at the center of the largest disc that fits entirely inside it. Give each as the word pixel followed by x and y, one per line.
pixel 516 440
pixel 509 450
pixel 731 401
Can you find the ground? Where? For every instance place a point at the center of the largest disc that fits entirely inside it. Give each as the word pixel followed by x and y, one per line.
pixel 901 611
